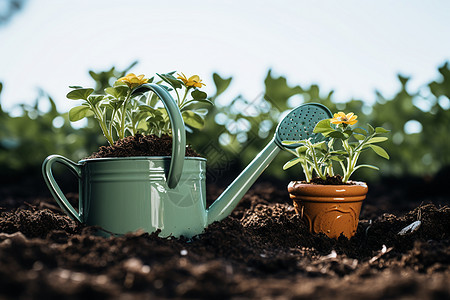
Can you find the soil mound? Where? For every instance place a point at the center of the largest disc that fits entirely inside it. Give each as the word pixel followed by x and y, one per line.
pixel 141 145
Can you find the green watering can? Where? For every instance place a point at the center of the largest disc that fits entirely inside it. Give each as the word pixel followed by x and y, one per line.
pixel 167 193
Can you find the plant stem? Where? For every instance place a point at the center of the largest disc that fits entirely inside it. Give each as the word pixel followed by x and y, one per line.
pixel 184 97
pixel 307 172
pixel 316 165
pixel 111 122
pixel 351 161
pixel 330 170
pixel 178 97
pixel 123 113
pixel 102 124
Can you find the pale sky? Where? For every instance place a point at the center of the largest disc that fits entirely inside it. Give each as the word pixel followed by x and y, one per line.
pixel 353 47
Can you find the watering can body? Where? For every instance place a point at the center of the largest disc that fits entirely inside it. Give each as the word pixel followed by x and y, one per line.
pixel 126 194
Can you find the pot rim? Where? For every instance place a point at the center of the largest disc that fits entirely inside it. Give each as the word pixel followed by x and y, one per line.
pixel 297 182
pixel 296 188
pixel 144 158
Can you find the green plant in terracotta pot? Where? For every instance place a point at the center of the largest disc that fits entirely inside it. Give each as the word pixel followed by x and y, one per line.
pixel 329 201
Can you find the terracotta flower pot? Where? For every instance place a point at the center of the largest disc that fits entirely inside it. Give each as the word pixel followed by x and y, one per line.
pixel 330 209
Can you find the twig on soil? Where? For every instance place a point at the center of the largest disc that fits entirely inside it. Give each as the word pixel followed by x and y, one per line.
pixel 33 207
pixel 54 208
pixel 382 252
pixel 332 255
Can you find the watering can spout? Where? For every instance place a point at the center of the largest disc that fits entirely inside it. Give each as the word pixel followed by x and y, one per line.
pixel 297 125
pixel 225 204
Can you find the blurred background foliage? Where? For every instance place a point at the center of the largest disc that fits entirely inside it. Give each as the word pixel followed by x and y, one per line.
pixel 235 133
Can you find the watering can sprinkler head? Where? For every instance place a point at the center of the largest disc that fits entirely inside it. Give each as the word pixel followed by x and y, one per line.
pixel 297 125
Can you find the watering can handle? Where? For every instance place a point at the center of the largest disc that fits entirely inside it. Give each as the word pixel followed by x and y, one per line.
pixel 178 133
pixel 53 186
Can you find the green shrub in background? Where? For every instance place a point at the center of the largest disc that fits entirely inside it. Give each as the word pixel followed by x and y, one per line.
pixel 26 139
pixel 246 126
pixel 235 133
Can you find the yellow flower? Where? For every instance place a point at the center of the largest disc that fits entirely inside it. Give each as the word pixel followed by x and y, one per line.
pixel 342 118
pixel 194 80
pixel 133 81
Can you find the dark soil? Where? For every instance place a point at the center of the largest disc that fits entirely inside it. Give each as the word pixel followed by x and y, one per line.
pixel 330 180
pixel 141 145
pixel 262 251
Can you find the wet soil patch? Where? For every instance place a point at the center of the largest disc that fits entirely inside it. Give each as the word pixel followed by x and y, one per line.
pixel 262 250
pixel 141 145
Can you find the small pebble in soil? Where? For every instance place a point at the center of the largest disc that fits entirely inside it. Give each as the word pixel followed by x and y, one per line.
pixel 410 228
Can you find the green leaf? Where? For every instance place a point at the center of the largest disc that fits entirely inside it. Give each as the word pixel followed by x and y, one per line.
pixel 140 90
pixel 201 111
pixel 360 130
pixel 221 84
pixel 118 91
pixel 79 94
pixel 320 145
pixel 366 166
pixel 75 87
pixel 377 139
pixel 339 152
pixel 371 130
pixel 153 100
pixel 380 151
pixel 287 143
pixel 293 162
pixel 94 100
pixel 116 104
pixel 142 126
pixel 171 80
pixel 359 137
pixel 337 157
pixel 193 120
pixel 155 119
pixel 199 95
pixel 301 149
pixel 323 126
pixel 197 104
pixel 79 112
pixel 336 134
pixel 147 108
pixel 203 101
pixel 119 83
pixel 381 130
pixel 347 134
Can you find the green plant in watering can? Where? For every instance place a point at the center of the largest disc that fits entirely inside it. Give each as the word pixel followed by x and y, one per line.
pixel 129 106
